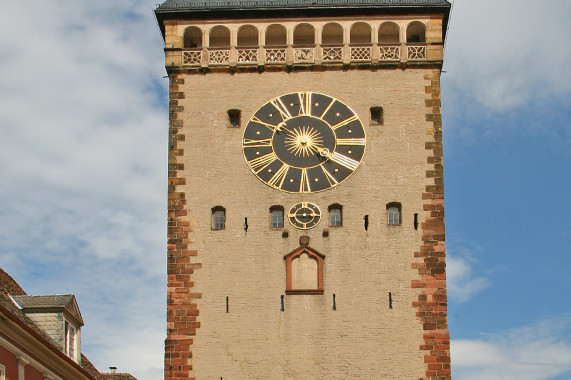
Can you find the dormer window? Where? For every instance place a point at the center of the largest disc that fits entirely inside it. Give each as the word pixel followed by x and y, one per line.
pixel 59 316
pixel 70 340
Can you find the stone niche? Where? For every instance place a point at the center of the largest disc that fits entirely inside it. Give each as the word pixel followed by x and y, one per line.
pixel 304 271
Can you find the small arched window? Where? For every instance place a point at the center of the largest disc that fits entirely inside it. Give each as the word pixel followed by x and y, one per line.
pixel 276 35
pixel 394 213
pixel 276 216
pixel 218 218
pixel 389 34
pixel 304 34
pixel 415 32
pixel 247 36
pixel 360 33
pixel 219 37
pixel 192 37
pixel 335 215
pixel 332 34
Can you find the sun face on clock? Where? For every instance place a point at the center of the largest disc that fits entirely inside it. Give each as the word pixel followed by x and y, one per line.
pixel 303 142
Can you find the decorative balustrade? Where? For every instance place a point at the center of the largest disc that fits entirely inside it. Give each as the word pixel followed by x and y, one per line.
pixel 247 56
pixel 332 53
pixel 192 57
pixel 301 55
pixel 304 55
pixel 389 52
pixel 219 56
pixel 361 53
pixel 276 54
pixel 416 52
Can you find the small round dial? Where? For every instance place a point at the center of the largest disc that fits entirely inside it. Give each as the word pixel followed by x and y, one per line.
pixel 304 142
pixel 304 215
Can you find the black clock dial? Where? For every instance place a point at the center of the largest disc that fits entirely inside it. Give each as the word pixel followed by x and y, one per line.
pixel 304 215
pixel 304 142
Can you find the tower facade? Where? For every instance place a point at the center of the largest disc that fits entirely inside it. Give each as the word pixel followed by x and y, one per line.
pixel 306 218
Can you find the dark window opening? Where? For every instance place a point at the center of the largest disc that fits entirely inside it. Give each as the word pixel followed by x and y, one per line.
pixel 377 115
pixel 234 117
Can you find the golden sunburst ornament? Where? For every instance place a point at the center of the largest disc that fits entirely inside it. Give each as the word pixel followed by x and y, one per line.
pixel 303 141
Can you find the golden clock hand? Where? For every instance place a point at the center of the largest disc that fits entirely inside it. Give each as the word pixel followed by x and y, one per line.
pixel 324 152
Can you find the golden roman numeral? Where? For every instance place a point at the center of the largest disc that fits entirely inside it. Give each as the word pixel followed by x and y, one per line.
pixel 259 163
pixel 305 103
pixel 280 175
pixel 345 122
pixel 304 183
pixel 359 141
pixel 327 109
pixel 329 176
pixel 270 126
pixel 349 163
pixel 281 108
pixel 252 143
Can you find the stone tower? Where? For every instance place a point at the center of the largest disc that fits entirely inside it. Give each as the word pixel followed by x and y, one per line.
pixel 306 218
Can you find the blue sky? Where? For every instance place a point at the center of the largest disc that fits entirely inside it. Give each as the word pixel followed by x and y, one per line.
pixel 83 186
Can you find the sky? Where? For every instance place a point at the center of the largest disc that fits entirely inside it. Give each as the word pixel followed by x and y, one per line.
pixel 83 158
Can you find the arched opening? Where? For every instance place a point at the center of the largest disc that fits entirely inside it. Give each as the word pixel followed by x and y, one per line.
pixel 247 36
pixel 192 37
pixel 219 37
pixel 304 34
pixel 332 34
pixel 276 35
pixel 389 34
pixel 415 32
pixel 360 33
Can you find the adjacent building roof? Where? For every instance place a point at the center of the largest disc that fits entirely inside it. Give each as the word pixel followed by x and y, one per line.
pixel 38 304
pixel 15 303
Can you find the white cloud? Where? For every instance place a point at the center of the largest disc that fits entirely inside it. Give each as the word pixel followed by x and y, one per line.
pixel 535 352
pixel 84 130
pixel 462 283
pixel 505 53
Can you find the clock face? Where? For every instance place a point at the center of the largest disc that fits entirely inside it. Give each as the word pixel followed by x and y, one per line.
pixel 304 142
pixel 304 215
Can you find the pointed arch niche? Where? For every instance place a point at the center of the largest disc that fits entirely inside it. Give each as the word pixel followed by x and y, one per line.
pixel 304 271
